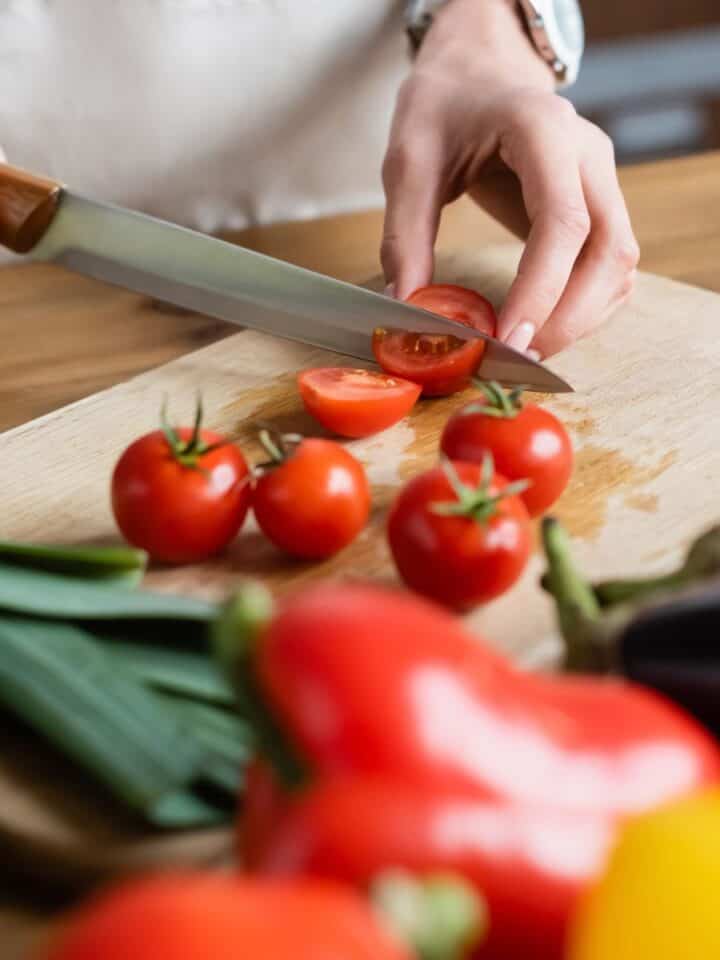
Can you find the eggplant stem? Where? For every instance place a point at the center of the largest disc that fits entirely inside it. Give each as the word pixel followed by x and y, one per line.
pixel 578 611
pixel 613 593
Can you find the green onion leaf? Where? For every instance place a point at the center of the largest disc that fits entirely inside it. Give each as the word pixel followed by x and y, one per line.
pixel 226 739
pixel 66 686
pixel 116 564
pixel 42 594
pixel 183 810
pixel 192 675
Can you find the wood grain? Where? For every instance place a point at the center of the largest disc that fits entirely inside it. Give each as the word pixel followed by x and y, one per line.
pixel 64 337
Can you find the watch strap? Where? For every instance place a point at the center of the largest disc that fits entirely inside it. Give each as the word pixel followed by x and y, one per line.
pixel 541 18
pixel 419 16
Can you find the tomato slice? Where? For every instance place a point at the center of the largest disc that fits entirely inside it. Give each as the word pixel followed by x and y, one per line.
pixel 355 403
pixel 439 364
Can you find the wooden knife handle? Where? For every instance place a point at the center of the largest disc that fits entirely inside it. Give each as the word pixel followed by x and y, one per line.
pixel 27 206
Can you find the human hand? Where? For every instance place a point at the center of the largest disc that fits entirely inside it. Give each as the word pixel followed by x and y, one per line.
pixel 480 100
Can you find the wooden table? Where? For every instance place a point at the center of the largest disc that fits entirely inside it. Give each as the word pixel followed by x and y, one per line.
pixel 107 335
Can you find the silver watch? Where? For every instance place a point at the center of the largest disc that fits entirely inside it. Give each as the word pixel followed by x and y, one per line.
pixel 555 28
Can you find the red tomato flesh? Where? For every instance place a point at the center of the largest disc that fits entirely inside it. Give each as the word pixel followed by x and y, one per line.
pixel 355 403
pixel 443 364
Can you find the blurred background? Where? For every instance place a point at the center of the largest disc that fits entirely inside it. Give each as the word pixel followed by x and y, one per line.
pixel 651 75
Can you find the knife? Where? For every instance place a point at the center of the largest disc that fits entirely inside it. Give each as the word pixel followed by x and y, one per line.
pixel 42 218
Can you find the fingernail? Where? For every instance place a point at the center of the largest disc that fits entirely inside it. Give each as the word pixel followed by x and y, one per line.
pixel 390 290
pixel 521 337
pixel 534 355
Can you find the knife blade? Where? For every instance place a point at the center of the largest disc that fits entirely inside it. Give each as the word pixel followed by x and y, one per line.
pixel 219 279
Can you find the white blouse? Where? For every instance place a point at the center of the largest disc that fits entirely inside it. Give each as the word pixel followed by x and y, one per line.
pixel 212 113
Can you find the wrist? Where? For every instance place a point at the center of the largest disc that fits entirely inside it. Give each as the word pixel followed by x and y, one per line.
pixel 484 39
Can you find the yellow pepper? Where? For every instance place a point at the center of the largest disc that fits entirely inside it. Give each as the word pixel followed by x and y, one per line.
pixel 660 896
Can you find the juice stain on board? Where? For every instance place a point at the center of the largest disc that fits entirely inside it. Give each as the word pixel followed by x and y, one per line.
pixel 600 474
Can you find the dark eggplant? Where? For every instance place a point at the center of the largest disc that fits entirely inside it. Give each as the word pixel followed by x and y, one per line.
pixel 674 647
pixel 668 640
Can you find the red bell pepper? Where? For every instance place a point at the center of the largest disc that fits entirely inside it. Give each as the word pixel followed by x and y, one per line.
pixel 530 863
pixel 414 745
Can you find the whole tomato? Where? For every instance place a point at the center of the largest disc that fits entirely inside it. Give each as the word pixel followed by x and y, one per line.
pixel 212 916
pixel 459 534
pixel 313 498
pixel 526 442
pixel 181 494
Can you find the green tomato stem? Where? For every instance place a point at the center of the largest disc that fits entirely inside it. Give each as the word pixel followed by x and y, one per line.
pixel 476 503
pixel 187 452
pixel 498 401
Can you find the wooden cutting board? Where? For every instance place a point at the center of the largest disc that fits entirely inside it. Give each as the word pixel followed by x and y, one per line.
pixel 648 394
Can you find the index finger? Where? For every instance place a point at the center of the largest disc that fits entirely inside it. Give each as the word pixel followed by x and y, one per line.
pixel 412 175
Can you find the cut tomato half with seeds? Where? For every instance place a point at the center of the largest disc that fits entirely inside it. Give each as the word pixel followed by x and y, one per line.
pixel 440 364
pixel 355 403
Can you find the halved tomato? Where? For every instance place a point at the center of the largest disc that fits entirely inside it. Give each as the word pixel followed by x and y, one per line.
pixel 355 403
pixel 439 364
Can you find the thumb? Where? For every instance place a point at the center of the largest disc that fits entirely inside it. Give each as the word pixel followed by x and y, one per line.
pixel 411 178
